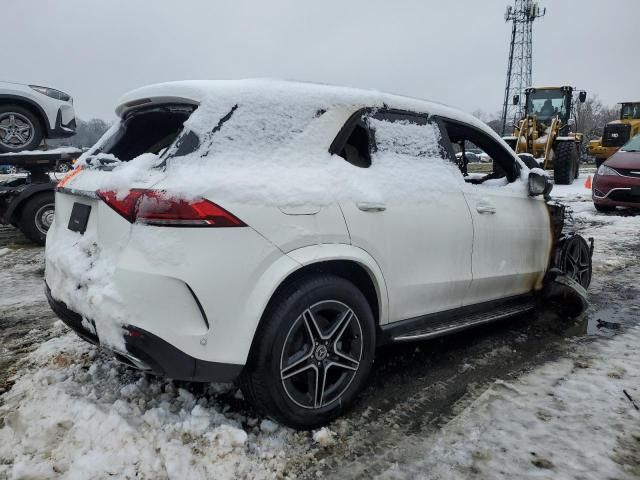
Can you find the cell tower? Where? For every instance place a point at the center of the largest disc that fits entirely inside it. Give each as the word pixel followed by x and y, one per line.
pixel 521 14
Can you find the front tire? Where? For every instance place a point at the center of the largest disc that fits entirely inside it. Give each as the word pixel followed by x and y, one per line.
pixel 36 217
pixel 565 163
pixel 312 352
pixel 20 129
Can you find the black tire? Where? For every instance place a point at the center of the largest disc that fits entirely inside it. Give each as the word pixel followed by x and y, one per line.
pixel 604 208
pixel 25 118
pixel 286 324
pixel 564 163
pixel 32 217
pixel 599 161
pixel 575 260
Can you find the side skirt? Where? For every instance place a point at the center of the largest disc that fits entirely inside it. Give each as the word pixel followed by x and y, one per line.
pixel 441 323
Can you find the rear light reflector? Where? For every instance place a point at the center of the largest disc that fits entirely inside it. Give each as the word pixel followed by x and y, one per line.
pixel 157 207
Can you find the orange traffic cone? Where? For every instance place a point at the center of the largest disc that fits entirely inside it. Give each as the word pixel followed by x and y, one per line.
pixel 587 184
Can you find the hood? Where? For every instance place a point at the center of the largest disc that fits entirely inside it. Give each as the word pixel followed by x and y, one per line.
pixel 626 160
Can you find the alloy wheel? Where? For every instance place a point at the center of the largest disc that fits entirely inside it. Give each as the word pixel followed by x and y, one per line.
pixel 321 354
pixel 577 261
pixel 16 130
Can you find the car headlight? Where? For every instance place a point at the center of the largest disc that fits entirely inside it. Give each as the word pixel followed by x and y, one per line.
pixel 52 92
pixel 604 171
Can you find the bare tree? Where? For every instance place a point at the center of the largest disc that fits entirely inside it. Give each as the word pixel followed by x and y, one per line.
pixel 592 116
pixel 87 133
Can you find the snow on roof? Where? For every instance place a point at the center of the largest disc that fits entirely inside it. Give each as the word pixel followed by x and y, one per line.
pixel 286 92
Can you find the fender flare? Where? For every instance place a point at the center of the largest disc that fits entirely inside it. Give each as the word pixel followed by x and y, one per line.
pixel 16 203
pixel 327 252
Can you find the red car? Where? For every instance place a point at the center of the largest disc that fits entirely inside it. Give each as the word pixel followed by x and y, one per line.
pixel 617 181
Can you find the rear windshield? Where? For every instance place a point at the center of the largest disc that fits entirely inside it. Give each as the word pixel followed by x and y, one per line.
pixel 242 130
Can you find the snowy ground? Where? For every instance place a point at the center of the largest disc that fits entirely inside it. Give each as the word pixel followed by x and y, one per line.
pixel 534 397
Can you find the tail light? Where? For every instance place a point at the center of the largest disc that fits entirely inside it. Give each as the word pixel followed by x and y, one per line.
pixel 156 207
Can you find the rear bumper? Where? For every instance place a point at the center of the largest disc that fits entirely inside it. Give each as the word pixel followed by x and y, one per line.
pixel 149 352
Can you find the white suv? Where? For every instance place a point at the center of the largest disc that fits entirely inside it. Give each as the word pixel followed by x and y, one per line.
pixel 275 233
pixel 30 113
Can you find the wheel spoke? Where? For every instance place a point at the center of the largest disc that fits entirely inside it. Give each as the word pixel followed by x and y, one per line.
pixel 12 120
pixel 312 325
pixel 321 380
pixel 301 365
pixel 19 136
pixel 341 326
pixel 349 364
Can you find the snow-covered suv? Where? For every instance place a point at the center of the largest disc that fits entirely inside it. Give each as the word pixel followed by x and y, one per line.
pixel 30 113
pixel 275 233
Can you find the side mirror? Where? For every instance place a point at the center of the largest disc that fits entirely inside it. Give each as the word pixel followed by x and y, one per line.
pixel 582 96
pixel 539 183
pixel 516 99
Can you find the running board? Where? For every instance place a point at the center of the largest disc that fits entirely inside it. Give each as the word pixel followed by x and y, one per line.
pixel 434 327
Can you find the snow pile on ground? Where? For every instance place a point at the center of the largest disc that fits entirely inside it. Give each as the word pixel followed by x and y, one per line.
pixel 566 419
pixel 76 414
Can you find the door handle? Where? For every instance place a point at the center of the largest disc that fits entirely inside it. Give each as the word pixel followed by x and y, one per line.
pixel 485 208
pixel 371 207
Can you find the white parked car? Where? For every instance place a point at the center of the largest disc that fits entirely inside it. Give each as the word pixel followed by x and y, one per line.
pixel 31 113
pixel 274 233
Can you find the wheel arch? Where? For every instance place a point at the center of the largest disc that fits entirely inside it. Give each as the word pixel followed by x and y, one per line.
pixel 33 107
pixel 12 214
pixel 345 261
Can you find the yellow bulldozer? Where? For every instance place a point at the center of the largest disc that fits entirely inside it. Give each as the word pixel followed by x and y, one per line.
pixel 616 133
pixel 546 135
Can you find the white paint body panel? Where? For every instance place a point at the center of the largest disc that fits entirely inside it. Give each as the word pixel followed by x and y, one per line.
pixel 511 246
pixel 50 106
pixel 422 257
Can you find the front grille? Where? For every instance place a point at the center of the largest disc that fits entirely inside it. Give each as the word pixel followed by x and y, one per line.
pixel 635 173
pixel 623 196
pixel 616 135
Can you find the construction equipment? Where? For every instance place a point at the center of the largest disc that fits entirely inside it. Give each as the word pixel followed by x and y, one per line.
pixel 616 133
pixel 547 131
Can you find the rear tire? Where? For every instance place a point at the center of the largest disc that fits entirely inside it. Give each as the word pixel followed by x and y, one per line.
pixel 291 357
pixel 565 161
pixel 20 129
pixel 36 217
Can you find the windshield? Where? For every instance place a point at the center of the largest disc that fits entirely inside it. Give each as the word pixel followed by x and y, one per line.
pixel 546 104
pixel 630 110
pixel 632 145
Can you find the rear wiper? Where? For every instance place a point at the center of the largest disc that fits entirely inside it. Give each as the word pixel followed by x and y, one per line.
pixel 632 150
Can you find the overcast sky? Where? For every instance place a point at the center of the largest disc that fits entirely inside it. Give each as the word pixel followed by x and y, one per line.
pixel 452 51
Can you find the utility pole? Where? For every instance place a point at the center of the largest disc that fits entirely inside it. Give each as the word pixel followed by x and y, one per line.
pixel 522 15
